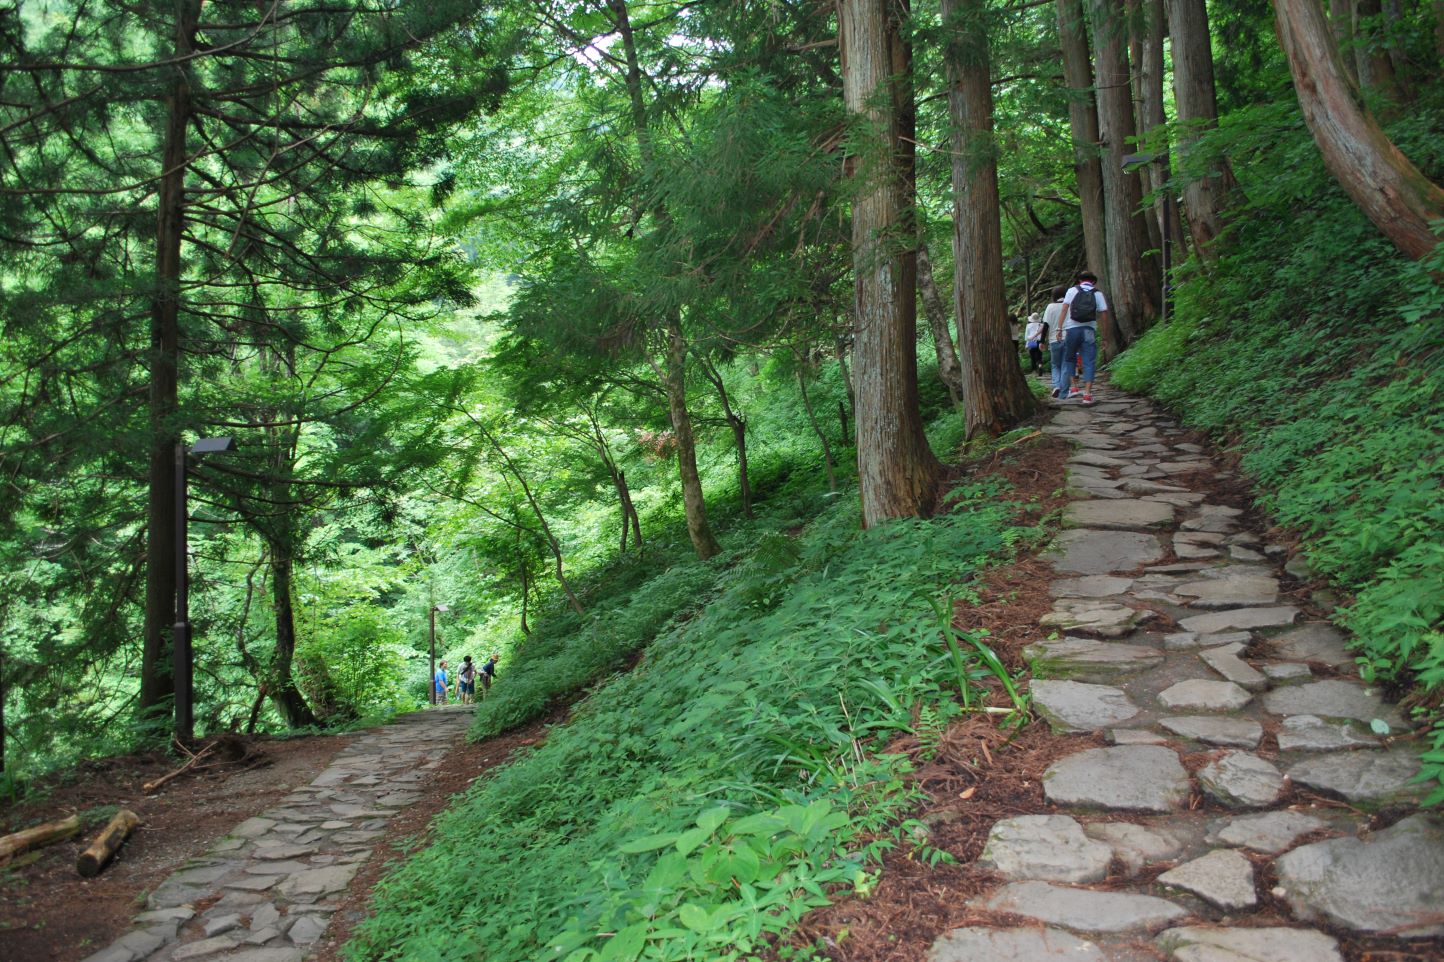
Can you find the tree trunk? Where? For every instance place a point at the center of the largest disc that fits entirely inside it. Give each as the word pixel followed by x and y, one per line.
pixel 738 424
pixel 1148 22
pixel 1439 31
pixel 1133 275
pixel 950 371
pixel 1376 70
pixel 995 394
pixel 525 590
pixel 1341 18
pixel 284 695
pixel 1206 194
pixel 630 509
pixel 1391 191
pixel 897 472
pixel 674 382
pixel 18 843
pixel 816 428
pixel 1083 122
pixel 162 413
pixel 107 843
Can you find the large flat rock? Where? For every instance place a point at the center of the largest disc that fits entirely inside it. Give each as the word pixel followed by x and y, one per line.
pixel 1050 848
pixel 1129 514
pixel 1310 733
pixel 1392 881
pixel 1202 694
pixel 1072 706
pixel 1209 944
pixel 1318 642
pixel 1138 846
pixel 1242 780
pixel 1223 877
pixel 977 944
pixel 1225 660
pixel 1104 619
pixel 1234 591
pixel 1090 586
pixel 1082 910
pixel 1332 698
pixel 1267 832
pixel 1216 730
pixel 1141 778
pixel 1362 777
pixel 1085 659
pixel 1240 619
pixel 1089 552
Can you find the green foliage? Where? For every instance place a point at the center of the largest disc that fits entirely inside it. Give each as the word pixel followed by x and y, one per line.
pixel 1315 348
pixel 724 786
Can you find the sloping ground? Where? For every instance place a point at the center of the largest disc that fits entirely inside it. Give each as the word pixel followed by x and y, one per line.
pixel 1232 792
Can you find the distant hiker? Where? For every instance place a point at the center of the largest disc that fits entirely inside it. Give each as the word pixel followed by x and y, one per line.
pixel 488 674
pixel 1083 307
pixel 1053 325
pixel 466 680
pixel 1033 337
pixel 438 685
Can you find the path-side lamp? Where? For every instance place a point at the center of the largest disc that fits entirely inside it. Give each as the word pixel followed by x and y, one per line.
pixel 431 679
pixel 182 655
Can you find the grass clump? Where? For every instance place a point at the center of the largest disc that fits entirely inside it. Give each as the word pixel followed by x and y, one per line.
pixel 719 790
pixel 1316 347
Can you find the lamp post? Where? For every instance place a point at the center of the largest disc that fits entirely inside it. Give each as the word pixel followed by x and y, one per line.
pixel 182 655
pixel 431 679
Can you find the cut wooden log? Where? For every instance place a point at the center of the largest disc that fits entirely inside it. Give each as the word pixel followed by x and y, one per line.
pixel 40 835
pixel 107 843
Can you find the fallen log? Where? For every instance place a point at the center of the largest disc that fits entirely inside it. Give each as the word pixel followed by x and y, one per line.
pixel 107 843
pixel 150 787
pixel 39 835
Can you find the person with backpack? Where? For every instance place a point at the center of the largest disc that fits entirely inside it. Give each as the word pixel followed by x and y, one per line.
pixel 1083 307
pixel 466 680
pixel 488 674
pixel 1053 334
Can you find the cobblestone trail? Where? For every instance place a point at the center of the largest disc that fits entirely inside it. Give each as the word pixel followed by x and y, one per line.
pixel 1212 728
pixel 266 892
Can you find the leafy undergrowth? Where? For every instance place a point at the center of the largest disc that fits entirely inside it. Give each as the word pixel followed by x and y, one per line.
pixel 711 796
pixel 1317 348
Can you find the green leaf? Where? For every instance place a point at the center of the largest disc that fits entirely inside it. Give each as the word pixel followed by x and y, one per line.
pixel 647 843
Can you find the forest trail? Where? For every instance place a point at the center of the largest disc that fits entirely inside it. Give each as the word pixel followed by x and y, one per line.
pixel 1234 798
pixel 266 891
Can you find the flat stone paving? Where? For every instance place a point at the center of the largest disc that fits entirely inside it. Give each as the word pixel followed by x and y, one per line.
pixel 266 891
pixel 1246 755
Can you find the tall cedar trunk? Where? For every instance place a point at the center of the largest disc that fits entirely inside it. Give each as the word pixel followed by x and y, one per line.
pixel 827 461
pixel 1391 191
pixel 897 472
pixel 1341 18
pixel 284 694
pixel 674 378
pixel 1207 197
pixel 1439 31
pixel 1376 70
pixel 995 395
pixel 629 509
pixel 950 371
pixel 525 588
pixel 1083 122
pixel 162 413
pixel 674 382
pixel 1147 75
pixel 1133 275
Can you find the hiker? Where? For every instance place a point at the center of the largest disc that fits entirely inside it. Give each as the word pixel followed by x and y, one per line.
pixel 1033 337
pixel 1083 307
pixel 438 685
pixel 466 681
pixel 1053 325
pixel 488 674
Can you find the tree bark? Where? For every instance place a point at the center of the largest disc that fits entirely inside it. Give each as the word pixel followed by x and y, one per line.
pixel 525 590
pixel 1083 122
pixel 816 428
pixel 995 394
pixel 1133 276
pixel 99 853
pixel 674 382
pixel 1341 18
pixel 162 406
pixel 629 509
pixel 17 843
pixel 950 370
pixel 1376 70
pixel 284 694
pixel 1148 23
pixel 897 472
pixel 1207 196
pixel 1390 190
pixel 738 425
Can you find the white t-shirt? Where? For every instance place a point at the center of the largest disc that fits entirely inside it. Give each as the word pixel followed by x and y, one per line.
pixel 1033 331
pixel 1051 313
pixel 1098 296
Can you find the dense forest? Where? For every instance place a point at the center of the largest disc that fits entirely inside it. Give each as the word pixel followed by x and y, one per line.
pixel 566 332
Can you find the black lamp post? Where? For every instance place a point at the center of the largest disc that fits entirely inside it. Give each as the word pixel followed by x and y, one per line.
pixel 182 655
pixel 431 679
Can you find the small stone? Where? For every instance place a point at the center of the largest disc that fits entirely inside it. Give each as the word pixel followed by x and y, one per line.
pixel 1223 877
pixel 1090 552
pixel 1050 848
pixel 284 867
pixel 1240 553
pixel 195 950
pixel 1241 780
pixel 264 916
pixel 334 824
pixel 1362 777
pixel 1310 733
pixel 307 929
pixel 1392 881
pixel 1226 661
pixel 1286 671
pixel 254 883
pixel 1209 944
pixel 1332 698
pixel 1135 736
pixel 1136 846
pixel 1089 660
pixel 1104 619
pixel 221 924
pixel 262 935
pixel 1083 910
pixel 1240 619
pixel 1089 586
pixel 1299 568
pixel 1117 514
pixel 1212 730
pixel 284 851
pixel 183 913
pixel 1200 694
pixel 1147 778
pixel 1193 552
pixel 1231 592
pixel 253 827
pixel 1071 706
pixel 1269 832
pixel 1180 641
pixel 319 881
pixel 977 944
pixel 1319 641
pixel 278 954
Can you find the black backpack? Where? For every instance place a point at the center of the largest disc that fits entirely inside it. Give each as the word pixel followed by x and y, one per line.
pixel 1084 309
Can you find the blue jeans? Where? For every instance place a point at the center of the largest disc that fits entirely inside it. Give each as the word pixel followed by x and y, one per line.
pixel 1080 340
pixel 1060 378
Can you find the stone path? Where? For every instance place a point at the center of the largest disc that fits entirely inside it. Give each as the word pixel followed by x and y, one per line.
pixel 1172 635
pixel 266 891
